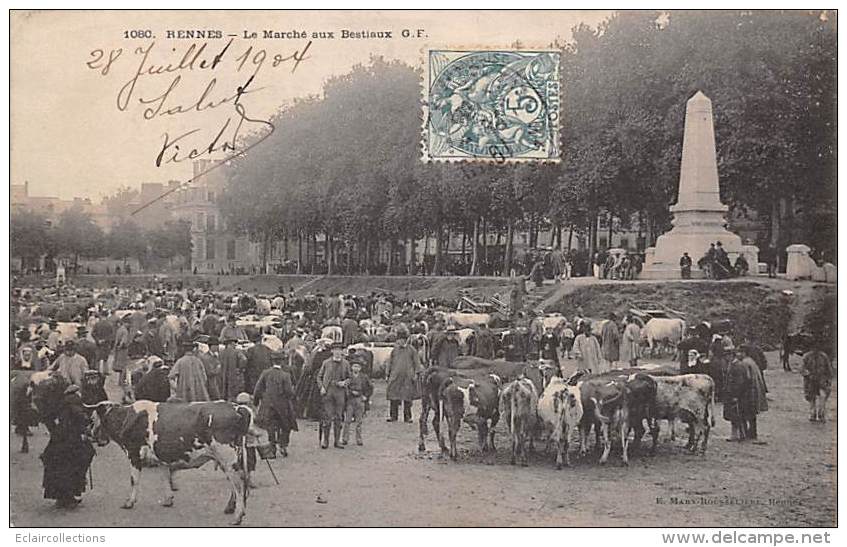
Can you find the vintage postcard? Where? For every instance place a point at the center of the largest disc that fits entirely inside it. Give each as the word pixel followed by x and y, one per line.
pixel 423 269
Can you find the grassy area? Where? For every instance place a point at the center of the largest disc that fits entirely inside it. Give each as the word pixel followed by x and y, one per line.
pixel 759 312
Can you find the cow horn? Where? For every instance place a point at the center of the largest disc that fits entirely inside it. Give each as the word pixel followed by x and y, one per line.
pixel 97 405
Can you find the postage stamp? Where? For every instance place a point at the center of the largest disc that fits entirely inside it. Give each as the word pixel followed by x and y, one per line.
pixel 491 105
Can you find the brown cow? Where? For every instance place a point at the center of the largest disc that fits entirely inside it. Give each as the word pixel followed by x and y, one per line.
pixel 518 403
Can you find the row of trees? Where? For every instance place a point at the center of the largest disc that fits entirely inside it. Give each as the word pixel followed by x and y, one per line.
pixel 347 166
pixel 75 235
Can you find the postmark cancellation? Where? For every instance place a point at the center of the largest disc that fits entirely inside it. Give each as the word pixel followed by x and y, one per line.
pixel 491 105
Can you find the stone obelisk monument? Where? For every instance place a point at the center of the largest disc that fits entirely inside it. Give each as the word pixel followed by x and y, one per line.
pixel 698 213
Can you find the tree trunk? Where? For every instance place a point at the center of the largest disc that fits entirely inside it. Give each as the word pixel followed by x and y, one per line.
pixel 464 243
pixel 484 243
pixel 367 255
pixel 611 222
pixel 299 252
pixel 475 260
pixel 314 237
pixel 390 255
pixel 592 243
pixel 507 260
pixel 436 263
pixel 266 241
pixel 570 238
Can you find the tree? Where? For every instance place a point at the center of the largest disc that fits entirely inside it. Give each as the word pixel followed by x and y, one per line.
pixel 78 235
pixel 126 240
pixel 30 235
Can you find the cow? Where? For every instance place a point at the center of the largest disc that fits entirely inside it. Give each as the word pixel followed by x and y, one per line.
pixel 333 332
pixel 179 436
pixel 420 342
pixel 555 321
pixel 461 319
pixel 559 412
pixel 518 403
pixel 467 340
pixel 605 408
pixel 663 331
pixel 797 343
pixel 381 354
pixel 432 384
pixel 817 383
pixel 460 397
pixel 690 398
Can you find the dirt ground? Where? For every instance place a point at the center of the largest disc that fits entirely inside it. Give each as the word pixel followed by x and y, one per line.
pixel 790 481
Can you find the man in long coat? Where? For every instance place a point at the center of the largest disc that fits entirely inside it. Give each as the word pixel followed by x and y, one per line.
pixel 258 359
pixel 611 341
pixel 274 393
pixel 349 330
pixel 332 382
pixel 401 372
pixel 630 340
pixel 207 352
pixel 745 397
pixel 233 364
pixel 188 377
pixel 154 385
pixel 586 348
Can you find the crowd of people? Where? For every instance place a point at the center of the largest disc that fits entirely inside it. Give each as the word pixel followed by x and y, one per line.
pixel 293 357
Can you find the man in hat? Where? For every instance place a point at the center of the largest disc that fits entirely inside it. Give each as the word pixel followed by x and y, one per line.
pixel 401 373
pixel 207 351
pixel 154 385
pixel 446 352
pixel 233 363
pixel 86 348
pixel 484 347
pixel 68 452
pixel 548 345
pixel 349 329
pixel 332 382
pixel 611 337
pixel 103 332
pixel 258 360
pixel 274 393
pixel 137 349
pixel 28 359
pixel 71 365
pixel 121 350
pixel 188 377
pixel 54 337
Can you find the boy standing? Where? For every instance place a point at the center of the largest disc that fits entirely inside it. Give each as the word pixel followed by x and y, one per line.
pixel 359 391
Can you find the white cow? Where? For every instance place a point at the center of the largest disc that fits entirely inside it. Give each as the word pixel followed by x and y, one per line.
pixel 461 319
pixel 263 306
pixel 381 355
pixel 559 412
pixel 667 332
pixel 333 332
pixel 464 335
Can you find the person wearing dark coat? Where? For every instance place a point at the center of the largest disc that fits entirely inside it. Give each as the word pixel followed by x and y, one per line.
pixel 154 385
pixel 349 330
pixel 274 394
pixel 745 397
pixel 212 364
pixel 446 351
pixel 484 347
pixel 68 452
pixel 332 382
pixel 86 348
pixel 233 364
pixel 401 372
pixel 547 346
pixel 258 360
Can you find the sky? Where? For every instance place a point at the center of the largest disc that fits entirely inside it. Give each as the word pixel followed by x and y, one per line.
pixel 79 124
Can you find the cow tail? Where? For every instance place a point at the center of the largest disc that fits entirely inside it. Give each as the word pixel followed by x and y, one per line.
pixel 513 405
pixel 244 469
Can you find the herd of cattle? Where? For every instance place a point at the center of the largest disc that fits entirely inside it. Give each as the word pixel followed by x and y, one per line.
pixel 536 403
pixel 531 397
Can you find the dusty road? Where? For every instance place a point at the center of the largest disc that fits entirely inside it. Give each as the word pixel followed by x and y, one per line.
pixel 790 481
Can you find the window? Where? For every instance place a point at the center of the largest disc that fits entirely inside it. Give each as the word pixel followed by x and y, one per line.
pixel 603 243
pixel 199 220
pixel 230 249
pixel 210 223
pixel 211 195
pixel 210 249
pixel 624 243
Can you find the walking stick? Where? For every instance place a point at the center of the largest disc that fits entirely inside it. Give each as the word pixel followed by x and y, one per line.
pixel 90 478
pixel 271 469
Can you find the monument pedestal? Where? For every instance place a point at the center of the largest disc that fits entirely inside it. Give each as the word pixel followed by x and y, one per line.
pixel 698 214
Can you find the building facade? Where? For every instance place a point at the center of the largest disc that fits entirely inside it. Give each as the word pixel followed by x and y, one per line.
pixel 213 249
